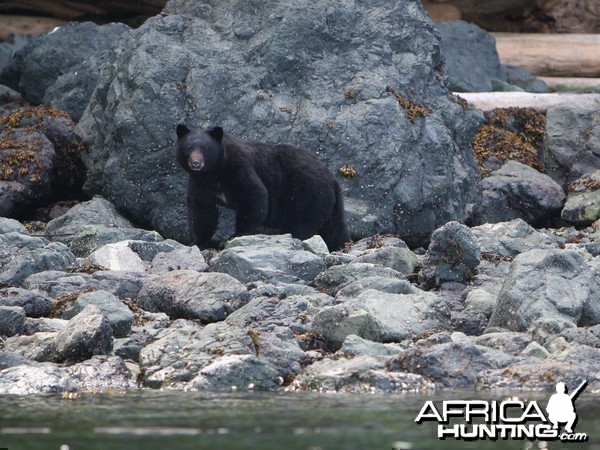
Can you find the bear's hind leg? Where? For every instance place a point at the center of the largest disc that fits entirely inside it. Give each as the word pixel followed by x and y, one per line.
pixel 335 231
pixel 252 210
pixel 203 218
pixel 305 219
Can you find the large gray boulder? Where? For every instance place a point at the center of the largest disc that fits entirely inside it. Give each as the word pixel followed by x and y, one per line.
pixel 353 82
pixel 471 57
pixel 264 313
pixel 583 201
pixel 39 159
pixel 12 320
pixel 92 237
pixel 571 367
pixel 22 255
pixel 40 379
pixel 517 191
pixel 98 374
pixel 183 349
pixel 97 211
pixel 187 294
pixel 268 258
pixel 102 373
pixel 474 65
pixel 87 334
pixel 362 374
pixel 356 346
pixel 522 78
pixel 184 258
pixel 64 61
pixel 11 226
pixel 384 251
pixel 40 347
pixel 462 359
pixel 11 45
pixel 119 316
pixel 382 317
pixel 57 284
pixel 233 372
pixel 35 303
pixel 547 283
pixel 508 239
pixel 116 257
pixel 572 142
pixel 338 277
pixel 453 255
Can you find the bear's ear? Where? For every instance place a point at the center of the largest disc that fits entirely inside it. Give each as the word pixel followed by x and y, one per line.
pixel 216 133
pixel 182 130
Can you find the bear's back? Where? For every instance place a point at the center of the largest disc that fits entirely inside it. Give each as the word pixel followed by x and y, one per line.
pixel 272 161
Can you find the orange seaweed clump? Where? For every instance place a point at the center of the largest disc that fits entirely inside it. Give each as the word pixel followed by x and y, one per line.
pixel 413 109
pixel 19 159
pixel 19 156
pixel 13 121
pixel 511 134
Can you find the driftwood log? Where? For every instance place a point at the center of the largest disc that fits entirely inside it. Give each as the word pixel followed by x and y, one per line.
pixel 76 10
pixel 554 55
pixel 486 101
pixel 26 25
pixel 535 16
pixel 572 84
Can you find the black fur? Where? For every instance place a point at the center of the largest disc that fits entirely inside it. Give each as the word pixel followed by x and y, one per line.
pixel 277 186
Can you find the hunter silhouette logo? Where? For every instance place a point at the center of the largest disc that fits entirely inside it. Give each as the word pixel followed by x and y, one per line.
pixel 561 407
pixel 507 419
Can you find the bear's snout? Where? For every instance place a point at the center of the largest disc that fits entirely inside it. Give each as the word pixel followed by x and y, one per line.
pixel 196 160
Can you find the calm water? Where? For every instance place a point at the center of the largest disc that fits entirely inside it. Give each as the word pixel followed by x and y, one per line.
pixel 151 420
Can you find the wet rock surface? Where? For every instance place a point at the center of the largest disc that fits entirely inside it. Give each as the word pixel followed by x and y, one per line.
pixel 543 283
pixel 583 201
pixel 572 142
pixel 518 191
pixel 22 255
pixel 447 285
pixel 61 68
pixel 474 65
pixel 40 158
pixel 182 321
pixel 187 294
pixel 462 40
pixel 313 78
pixel 453 255
pixel 270 258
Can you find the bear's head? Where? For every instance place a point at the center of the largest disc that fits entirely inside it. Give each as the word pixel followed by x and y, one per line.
pixel 199 150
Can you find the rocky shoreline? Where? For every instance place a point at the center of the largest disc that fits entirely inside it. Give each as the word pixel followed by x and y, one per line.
pixel 476 253
pixel 112 307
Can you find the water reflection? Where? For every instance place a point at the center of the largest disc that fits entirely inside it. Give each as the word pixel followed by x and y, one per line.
pixel 151 420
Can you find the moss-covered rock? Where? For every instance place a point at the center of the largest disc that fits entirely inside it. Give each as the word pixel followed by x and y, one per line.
pixel 583 201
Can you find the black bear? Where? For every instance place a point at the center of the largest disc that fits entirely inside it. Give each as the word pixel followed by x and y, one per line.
pixel 276 186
